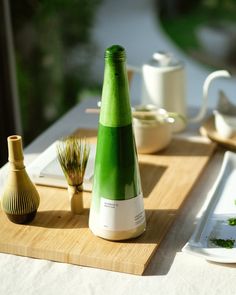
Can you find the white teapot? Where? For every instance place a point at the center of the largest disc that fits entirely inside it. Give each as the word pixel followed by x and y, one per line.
pixel 163 84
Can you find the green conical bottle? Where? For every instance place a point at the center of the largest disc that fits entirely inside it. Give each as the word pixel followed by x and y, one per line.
pixel 117 210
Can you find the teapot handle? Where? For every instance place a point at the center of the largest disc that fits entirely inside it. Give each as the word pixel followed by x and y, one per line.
pixel 206 85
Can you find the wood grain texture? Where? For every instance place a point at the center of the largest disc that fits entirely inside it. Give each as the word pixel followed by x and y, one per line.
pixel 56 234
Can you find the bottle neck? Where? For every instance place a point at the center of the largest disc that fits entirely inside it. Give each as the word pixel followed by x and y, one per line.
pixel 115 109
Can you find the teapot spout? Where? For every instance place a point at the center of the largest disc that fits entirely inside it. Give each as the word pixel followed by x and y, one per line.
pixel 206 86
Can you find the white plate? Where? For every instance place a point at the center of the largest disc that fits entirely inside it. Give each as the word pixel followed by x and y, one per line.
pixel 46 170
pixel 214 221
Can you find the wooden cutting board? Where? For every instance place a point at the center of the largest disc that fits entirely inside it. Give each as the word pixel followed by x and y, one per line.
pixel 56 234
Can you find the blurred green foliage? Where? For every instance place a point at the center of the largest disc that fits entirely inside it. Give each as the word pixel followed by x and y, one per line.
pixel 182 27
pixel 54 56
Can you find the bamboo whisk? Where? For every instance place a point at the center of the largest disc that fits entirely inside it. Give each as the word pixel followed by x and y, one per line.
pixel 73 153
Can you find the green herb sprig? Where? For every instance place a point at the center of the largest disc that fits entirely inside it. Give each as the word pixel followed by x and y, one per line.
pixel 229 243
pixel 232 221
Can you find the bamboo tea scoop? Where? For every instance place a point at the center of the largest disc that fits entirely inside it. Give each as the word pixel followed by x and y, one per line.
pixel 134 113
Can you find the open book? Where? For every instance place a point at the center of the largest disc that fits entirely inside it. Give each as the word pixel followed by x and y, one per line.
pixel 46 169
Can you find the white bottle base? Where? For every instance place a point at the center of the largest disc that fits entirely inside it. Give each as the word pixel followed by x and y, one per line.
pixel 117 235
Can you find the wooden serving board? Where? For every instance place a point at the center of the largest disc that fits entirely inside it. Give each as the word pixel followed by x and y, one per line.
pixel 56 234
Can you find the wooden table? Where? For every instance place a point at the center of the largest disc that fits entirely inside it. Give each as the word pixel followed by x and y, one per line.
pixel 169 272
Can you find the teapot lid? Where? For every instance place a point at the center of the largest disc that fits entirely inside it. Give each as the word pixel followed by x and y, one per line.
pixel 163 59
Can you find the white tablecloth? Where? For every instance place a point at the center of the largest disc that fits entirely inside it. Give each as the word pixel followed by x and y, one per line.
pixel 187 275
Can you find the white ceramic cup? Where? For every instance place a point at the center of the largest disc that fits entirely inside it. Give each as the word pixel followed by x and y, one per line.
pixel 152 138
pixel 152 129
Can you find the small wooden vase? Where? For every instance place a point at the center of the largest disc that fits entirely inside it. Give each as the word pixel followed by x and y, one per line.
pixel 20 199
pixel 76 198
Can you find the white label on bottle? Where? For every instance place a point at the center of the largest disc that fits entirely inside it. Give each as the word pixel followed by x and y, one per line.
pixel 121 215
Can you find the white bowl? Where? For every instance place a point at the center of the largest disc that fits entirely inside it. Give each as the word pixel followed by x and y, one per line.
pixel 225 124
pixel 225 116
pixel 152 136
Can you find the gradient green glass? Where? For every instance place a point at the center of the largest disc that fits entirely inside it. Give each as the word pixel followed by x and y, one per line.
pixel 116 173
